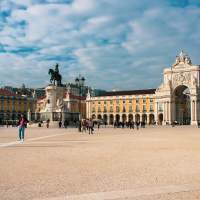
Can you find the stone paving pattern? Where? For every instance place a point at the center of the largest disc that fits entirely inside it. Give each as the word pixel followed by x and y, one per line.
pixel 67 163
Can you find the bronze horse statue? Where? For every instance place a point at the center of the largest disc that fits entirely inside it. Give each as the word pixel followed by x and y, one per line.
pixel 56 78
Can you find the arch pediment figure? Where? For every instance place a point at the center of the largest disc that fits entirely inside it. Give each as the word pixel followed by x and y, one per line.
pixel 182 58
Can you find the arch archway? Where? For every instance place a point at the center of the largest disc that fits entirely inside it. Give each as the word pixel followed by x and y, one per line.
pixel 124 118
pixel 144 118
pixel 93 116
pixel 137 117
pixel 182 105
pixel 151 119
pixel 160 119
pixel 111 119
pixel 99 117
pixel 105 118
pixel 130 117
pixel 117 118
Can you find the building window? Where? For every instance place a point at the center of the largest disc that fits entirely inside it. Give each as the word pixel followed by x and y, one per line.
pixel 137 100
pixel 111 102
pixel 151 108
pixel 105 109
pixel 93 109
pixel 124 101
pixel 130 109
pixel 104 102
pixel 144 108
pixel 151 100
pixel 160 107
pixel 99 109
pixel 117 101
pixel 124 109
pixel 111 109
pixel 99 102
pixel 130 101
pixel 117 109
pixel 137 108
pixel 144 100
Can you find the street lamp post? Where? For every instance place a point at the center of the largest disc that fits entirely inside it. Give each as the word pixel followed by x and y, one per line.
pixel 79 125
pixel 80 81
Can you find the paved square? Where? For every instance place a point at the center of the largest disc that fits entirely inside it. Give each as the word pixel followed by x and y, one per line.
pixel 152 163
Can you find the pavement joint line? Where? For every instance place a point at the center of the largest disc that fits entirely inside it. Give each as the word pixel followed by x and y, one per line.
pixel 56 142
pixel 31 139
pixel 137 192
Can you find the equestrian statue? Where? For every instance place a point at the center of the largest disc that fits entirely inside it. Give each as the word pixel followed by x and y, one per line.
pixel 56 78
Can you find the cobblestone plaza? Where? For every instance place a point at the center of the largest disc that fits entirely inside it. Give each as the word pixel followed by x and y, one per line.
pixel 56 164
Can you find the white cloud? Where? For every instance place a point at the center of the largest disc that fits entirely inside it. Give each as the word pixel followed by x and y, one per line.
pixel 110 43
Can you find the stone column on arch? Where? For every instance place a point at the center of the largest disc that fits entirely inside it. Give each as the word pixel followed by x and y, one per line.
pixel 170 112
pixel 87 109
pixel 164 112
pixel 148 118
pixel 114 117
pixel 194 111
pixel 156 112
pixel 108 118
pixel 134 117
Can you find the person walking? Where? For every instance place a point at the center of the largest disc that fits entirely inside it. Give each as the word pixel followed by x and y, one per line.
pixel 22 125
pixel 65 123
pixel 48 120
pixel 84 125
pixel 133 124
pixel 98 124
pixel 137 125
pixel 90 126
pixel 60 124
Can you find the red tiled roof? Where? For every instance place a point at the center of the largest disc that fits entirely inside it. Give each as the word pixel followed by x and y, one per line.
pixel 4 92
pixel 76 97
pixel 128 92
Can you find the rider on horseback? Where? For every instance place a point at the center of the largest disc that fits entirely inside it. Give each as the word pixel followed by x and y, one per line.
pixel 55 76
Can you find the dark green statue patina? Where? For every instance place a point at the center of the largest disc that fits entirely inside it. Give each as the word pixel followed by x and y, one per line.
pixel 56 78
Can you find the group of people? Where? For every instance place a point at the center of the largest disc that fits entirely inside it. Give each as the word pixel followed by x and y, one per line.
pixel 84 125
pixel 130 124
pixel 87 125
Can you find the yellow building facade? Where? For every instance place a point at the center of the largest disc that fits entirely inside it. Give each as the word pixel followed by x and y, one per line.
pixel 175 101
pixel 122 106
pixel 12 105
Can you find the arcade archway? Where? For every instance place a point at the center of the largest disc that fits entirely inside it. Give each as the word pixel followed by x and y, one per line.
pixel 117 118
pixel 144 118
pixel 105 118
pixel 182 105
pixel 160 119
pixel 111 119
pixel 99 117
pixel 151 119
pixel 137 118
pixel 130 117
pixel 124 118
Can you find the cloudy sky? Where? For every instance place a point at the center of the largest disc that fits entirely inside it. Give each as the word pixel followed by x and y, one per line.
pixel 115 44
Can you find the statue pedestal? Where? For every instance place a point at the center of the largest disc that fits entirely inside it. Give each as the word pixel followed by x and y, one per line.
pixel 53 94
pixel 54 98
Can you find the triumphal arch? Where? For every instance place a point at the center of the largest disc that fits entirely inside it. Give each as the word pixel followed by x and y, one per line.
pixel 177 98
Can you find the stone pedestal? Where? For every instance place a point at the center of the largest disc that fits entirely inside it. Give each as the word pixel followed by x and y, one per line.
pixel 53 94
pixel 54 101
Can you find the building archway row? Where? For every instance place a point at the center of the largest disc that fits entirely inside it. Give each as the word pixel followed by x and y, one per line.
pixel 148 118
